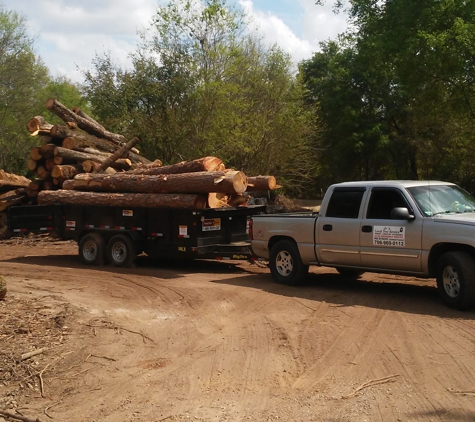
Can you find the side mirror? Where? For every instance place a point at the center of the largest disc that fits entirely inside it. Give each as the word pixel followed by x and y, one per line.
pixel 401 213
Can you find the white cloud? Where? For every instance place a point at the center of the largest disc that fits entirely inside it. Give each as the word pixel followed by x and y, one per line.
pixel 319 23
pixel 70 32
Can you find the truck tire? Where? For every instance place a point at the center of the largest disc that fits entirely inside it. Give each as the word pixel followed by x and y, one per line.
pixel 92 249
pixel 456 279
pixel 121 251
pixel 286 264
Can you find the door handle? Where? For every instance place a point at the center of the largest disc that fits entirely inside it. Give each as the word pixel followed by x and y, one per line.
pixel 367 229
pixel 327 227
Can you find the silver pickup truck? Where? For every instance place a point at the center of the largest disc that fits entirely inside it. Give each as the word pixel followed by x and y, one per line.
pixel 419 228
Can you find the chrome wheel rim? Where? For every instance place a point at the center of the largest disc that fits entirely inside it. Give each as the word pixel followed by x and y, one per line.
pixel 451 282
pixel 284 263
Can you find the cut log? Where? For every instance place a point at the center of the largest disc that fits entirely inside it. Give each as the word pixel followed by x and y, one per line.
pixel 85 124
pixel 81 113
pixel 71 197
pixel 32 164
pixel 218 200
pixel 49 164
pixel 198 165
pixel 47 150
pixel 199 182
pixel 81 143
pixel 78 156
pixel 8 180
pixel 90 166
pixel 261 183
pixel 66 171
pixel 35 153
pixel 38 126
pixel 121 152
pixel 10 198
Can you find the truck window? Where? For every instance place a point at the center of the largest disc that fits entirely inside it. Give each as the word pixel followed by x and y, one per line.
pixel 382 201
pixel 345 203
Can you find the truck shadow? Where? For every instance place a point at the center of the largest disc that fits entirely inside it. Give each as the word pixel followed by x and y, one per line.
pixel 377 293
pixel 373 290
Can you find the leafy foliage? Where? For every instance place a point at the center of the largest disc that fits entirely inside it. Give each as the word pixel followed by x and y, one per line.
pixel 25 85
pixel 201 84
pixel 404 80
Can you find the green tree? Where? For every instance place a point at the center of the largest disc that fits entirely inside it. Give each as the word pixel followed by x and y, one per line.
pixel 413 64
pixel 202 85
pixel 22 75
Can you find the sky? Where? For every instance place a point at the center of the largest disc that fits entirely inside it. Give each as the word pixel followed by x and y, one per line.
pixel 69 34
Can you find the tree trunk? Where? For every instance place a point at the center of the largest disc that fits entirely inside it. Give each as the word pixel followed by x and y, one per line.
pixel 92 167
pixel 8 180
pixel 199 182
pixel 10 198
pixel 47 150
pixel 200 164
pixel 71 197
pixel 81 113
pixel 89 126
pixel 121 152
pixel 35 153
pixel 261 183
pixel 78 156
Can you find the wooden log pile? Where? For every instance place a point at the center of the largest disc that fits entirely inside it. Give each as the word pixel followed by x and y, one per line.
pixel 13 191
pixel 81 162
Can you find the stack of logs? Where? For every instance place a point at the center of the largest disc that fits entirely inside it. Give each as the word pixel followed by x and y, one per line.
pixel 81 162
pixel 12 192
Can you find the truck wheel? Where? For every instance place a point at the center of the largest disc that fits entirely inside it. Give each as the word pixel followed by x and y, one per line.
pixel 286 265
pixel 456 279
pixel 121 251
pixel 92 249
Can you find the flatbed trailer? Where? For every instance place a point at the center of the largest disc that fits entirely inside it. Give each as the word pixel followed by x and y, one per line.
pixel 116 235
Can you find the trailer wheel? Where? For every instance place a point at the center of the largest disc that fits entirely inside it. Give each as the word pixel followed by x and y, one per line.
pixel 286 264
pixel 92 249
pixel 121 251
pixel 456 279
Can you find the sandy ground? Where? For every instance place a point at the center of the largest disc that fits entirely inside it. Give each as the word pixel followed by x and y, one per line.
pixel 220 341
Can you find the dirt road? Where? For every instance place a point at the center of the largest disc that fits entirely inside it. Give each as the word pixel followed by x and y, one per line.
pixel 219 341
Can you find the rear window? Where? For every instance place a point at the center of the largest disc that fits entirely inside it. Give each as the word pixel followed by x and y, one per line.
pixel 345 203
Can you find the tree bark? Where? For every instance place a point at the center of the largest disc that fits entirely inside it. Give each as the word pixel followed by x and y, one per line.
pixel 89 126
pixel 35 153
pixel 12 197
pixel 199 182
pixel 47 150
pixel 121 152
pixel 81 113
pixel 71 197
pixel 9 180
pixel 78 156
pixel 200 164
pixel 261 183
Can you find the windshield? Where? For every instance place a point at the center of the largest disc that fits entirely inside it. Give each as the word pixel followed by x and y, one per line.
pixel 440 199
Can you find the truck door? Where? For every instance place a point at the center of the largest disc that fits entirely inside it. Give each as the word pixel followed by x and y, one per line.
pixel 390 243
pixel 338 230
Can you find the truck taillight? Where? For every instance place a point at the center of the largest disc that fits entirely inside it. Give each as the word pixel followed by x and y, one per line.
pixel 249 228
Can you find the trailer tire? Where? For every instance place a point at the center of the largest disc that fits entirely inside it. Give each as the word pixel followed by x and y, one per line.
pixel 456 279
pixel 121 251
pixel 286 265
pixel 92 249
